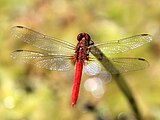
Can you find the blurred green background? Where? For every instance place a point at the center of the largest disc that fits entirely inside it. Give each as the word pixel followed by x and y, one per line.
pixel 30 93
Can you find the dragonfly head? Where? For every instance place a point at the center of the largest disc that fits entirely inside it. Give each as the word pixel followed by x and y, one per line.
pixel 83 36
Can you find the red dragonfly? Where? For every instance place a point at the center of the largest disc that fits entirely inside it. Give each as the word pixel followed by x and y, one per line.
pixel 63 55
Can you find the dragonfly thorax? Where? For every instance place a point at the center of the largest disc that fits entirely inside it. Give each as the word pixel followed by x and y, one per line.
pixel 82 46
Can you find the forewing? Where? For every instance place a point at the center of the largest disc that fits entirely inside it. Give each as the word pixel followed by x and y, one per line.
pixel 123 45
pixel 41 41
pixel 48 61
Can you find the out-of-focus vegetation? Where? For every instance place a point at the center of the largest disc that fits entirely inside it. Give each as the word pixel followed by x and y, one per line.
pixel 30 93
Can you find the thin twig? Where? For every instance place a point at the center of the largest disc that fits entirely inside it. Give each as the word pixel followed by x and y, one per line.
pixel 121 82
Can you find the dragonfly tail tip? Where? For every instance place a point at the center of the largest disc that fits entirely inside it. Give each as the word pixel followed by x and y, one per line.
pixel 73 105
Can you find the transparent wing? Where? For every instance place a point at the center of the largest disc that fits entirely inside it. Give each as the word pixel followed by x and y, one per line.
pixel 48 61
pixel 128 64
pixel 92 68
pixel 41 41
pixel 123 45
pixel 121 64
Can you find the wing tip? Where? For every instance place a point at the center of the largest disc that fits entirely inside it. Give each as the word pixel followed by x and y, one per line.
pixel 15 27
pixel 14 53
pixel 18 26
pixel 142 59
pixel 145 63
pixel 150 38
pixel 15 31
pixel 144 34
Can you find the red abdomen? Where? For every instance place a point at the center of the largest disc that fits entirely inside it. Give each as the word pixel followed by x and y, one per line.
pixel 77 81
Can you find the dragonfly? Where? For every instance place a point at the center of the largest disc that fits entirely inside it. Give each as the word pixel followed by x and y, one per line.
pixel 61 55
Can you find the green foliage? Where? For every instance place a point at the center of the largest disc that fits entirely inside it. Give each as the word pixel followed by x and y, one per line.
pixel 30 93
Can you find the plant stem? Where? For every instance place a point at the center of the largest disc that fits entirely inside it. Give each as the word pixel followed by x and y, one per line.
pixel 121 82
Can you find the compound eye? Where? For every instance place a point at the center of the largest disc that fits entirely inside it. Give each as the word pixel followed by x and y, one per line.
pixel 88 37
pixel 79 37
